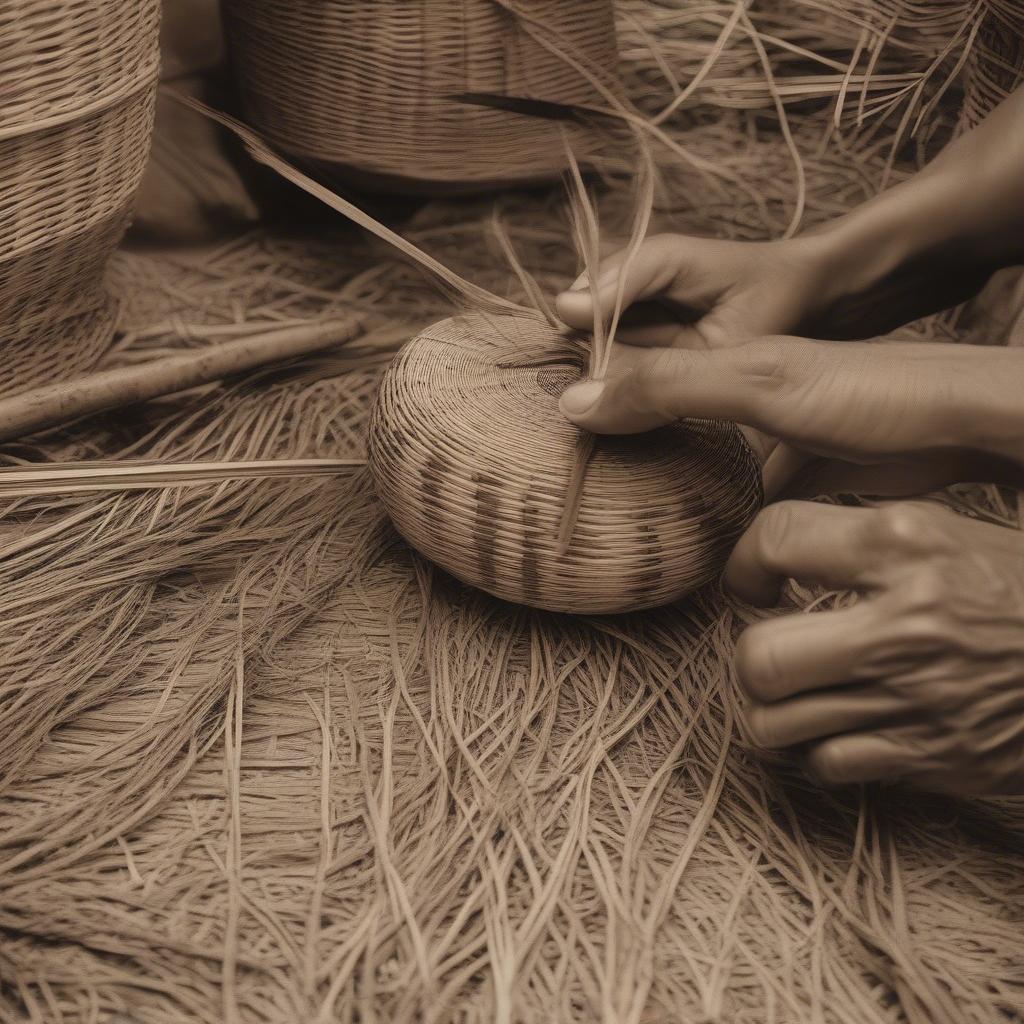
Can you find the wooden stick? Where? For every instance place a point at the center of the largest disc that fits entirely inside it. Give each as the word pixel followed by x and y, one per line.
pixel 53 404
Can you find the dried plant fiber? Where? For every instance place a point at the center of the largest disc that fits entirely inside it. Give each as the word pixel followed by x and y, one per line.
pixel 262 764
pixel 473 461
pixel 995 64
pixel 77 86
pixel 366 85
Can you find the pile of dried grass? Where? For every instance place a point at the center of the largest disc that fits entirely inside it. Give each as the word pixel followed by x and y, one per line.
pixel 262 765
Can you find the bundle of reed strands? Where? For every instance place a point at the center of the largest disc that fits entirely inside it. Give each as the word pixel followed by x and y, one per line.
pixel 79 82
pixel 365 90
pixel 883 67
pixel 265 765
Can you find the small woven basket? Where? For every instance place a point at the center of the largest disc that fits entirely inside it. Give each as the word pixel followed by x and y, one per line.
pixel 472 459
pixel 78 84
pixel 364 86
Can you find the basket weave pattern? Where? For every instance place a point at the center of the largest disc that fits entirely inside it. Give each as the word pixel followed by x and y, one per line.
pixel 472 460
pixel 364 83
pixel 79 83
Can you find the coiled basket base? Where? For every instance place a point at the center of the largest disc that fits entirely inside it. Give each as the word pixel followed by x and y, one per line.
pixel 472 459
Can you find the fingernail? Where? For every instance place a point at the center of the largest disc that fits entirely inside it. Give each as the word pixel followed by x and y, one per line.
pixel 580 283
pixel 580 397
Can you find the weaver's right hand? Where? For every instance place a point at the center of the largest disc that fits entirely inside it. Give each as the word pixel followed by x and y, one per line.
pixel 923 245
pixel 718 293
pixel 881 419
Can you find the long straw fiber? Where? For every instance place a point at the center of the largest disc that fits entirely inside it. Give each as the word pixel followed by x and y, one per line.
pixel 263 763
pixel 78 84
pixel 366 87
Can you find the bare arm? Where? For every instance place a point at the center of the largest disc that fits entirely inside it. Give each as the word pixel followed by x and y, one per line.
pixel 933 240
pixel 924 245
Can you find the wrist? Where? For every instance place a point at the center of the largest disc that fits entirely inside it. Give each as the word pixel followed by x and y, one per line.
pixel 989 410
pixel 910 251
pixel 912 224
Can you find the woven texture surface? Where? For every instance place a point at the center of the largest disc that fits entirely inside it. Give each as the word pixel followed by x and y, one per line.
pixel 367 84
pixel 75 118
pixel 473 461
pixel 263 764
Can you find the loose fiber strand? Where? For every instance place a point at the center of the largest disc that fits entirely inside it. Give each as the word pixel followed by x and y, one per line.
pixel 530 286
pixel 588 235
pixel 261 152
pixel 641 222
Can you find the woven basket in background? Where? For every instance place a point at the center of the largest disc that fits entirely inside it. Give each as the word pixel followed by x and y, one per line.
pixel 77 81
pixel 363 85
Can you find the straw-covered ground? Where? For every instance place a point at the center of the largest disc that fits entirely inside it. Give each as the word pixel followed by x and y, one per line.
pixel 261 763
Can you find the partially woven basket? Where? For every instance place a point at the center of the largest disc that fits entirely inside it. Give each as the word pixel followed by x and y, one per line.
pixel 472 458
pixel 78 84
pixel 364 86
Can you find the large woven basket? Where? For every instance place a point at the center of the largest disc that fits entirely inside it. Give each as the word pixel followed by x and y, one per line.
pixel 472 459
pixel 364 86
pixel 77 84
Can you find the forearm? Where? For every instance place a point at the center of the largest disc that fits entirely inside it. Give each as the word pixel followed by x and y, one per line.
pixel 944 230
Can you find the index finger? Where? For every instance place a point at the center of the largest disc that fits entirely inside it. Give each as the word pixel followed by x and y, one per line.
pixel 651 272
pixel 803 540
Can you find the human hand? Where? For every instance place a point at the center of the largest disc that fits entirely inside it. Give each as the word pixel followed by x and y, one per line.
pixel 907 417
pixel 924 245
pixel 721 293
pixel 840 282
pixel 922 679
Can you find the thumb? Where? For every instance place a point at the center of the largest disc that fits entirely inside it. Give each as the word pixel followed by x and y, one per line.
pixel 649 387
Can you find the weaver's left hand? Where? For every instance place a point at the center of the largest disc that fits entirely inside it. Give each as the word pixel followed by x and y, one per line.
pixel 922 679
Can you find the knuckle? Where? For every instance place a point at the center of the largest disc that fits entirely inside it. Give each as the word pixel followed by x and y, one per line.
pixel 828 761
pixel 767 362
pixel 757 665
pixel 669 250
pixel 923 630
pixel 909 525
pixel 925 597
pixel 771 529
pixel 759 720
pixel 648 391
pixel 661 363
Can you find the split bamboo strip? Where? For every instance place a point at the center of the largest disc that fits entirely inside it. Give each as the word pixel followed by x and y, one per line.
pixel 77 478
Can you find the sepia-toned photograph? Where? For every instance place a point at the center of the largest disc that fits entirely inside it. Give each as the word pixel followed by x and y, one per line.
pixel 511 511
